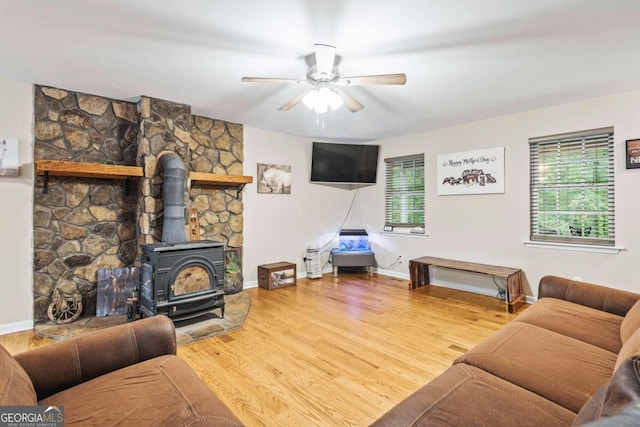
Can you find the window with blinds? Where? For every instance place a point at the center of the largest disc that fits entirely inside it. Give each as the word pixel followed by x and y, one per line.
pixel 404 191
pixel 572 188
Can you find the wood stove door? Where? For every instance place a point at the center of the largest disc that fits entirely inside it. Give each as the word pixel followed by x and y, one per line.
pixel 191 279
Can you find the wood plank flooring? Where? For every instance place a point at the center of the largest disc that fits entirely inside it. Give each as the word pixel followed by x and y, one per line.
pixel 334 351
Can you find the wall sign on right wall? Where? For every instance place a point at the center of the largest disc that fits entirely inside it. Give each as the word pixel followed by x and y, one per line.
pixel 633 153
pixel 471 172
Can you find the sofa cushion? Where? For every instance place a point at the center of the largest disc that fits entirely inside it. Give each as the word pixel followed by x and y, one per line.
pixel 562 369
pixel 467 396
pixel 15 385
pixel 164 389
pixel 583 323
pixel 631 322
pixel 615 396
pixel 630 348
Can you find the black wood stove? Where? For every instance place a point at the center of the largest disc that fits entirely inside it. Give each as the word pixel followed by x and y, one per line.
pixel 182 280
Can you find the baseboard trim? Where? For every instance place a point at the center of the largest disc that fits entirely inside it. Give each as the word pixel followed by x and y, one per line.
pixel 300 275
pixel 392 273
pixel 452 285
pixel 16 327
pixel 405 276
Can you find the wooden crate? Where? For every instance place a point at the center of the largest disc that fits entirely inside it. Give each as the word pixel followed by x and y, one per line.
pixel 277 275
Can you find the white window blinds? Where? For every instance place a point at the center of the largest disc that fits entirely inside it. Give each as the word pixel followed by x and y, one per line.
pixel 572 188
pixel 404 191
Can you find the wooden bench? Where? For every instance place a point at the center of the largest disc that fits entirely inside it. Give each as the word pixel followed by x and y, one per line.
pixel 515 298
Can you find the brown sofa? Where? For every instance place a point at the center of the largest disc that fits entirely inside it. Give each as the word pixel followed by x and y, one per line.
pixel 123 375
pixel 572 358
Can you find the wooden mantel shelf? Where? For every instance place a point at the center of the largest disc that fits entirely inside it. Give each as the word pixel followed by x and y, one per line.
pixel 96 170
pixel 86 170
pixel 219 179
pixel 238 181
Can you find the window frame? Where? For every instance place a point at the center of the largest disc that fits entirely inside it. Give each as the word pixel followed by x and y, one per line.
pixel 568 147
pixel 409 190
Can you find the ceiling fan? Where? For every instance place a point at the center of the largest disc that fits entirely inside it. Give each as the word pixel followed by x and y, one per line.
pixel 324 78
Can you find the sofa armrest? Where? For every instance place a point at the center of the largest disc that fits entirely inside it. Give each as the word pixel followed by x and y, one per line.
pixel 603 298
pixel 58 366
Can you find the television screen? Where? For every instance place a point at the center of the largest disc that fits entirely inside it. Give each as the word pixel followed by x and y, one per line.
pixel 344 163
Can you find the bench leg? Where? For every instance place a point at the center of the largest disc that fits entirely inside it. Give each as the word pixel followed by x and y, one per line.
pixel 515 293
pixel 419 274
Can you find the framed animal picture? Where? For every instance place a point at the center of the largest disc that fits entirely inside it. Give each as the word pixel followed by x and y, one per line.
pixel 9 162
pixel 471 172
pixel 274 179
pixel 115 285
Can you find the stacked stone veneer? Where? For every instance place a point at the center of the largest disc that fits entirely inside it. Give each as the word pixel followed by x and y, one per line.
pixel 205 145
pixel 164 126
pixel 217 147
pixel 83 225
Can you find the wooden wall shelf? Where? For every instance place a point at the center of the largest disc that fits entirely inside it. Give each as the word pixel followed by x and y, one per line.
pixel 238 181
pixel 84 170
pixel 218 179
pixel 96 170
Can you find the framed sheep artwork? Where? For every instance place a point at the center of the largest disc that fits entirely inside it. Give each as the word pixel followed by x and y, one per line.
pixel 274 179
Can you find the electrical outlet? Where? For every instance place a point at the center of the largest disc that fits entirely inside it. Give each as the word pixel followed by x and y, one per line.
pixel 400 258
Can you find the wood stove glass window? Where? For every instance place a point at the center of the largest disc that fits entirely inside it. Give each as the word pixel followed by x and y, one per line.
pixel 192 279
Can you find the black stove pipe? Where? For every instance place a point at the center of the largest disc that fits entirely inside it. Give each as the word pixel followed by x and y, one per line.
pixel 173 226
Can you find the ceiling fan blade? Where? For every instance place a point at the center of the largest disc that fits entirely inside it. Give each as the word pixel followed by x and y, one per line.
pixel 379 79
pixel 270 80
pixel 325 57
pixel 349 101
pixel 294 101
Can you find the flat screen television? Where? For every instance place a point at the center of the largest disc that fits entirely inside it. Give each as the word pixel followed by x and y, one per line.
pixel 344 163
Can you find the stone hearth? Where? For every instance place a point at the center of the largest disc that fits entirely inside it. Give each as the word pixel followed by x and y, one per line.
pixel 205 326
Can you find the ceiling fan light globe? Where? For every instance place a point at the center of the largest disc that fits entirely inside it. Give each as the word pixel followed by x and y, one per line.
pixel 335 101
pixel 311 99
pixel 321 108
pixel 329 98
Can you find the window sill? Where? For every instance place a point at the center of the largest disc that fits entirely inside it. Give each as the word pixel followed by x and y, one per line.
pixel 613 250
pixel 405 234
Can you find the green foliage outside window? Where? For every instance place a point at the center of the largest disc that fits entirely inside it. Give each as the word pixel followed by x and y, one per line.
pixel 572 190
pixel 405 199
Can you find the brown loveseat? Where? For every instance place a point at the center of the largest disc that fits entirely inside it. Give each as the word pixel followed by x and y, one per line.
pixel 571 358
pixel 123 375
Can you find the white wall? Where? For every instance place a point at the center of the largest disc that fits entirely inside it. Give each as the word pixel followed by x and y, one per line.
pixel 481 228
pixel 491 228
pixel 16 211
pixel 279 227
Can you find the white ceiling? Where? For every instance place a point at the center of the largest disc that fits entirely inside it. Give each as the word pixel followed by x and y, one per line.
pixel 465 59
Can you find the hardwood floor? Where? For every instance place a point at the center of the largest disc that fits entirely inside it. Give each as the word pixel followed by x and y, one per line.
pixel 334 351
pixel 341 351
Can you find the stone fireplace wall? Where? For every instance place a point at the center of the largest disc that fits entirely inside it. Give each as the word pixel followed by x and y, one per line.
pixel 164 126
pixel 83 225
pixel 217 147
pixel 205 145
